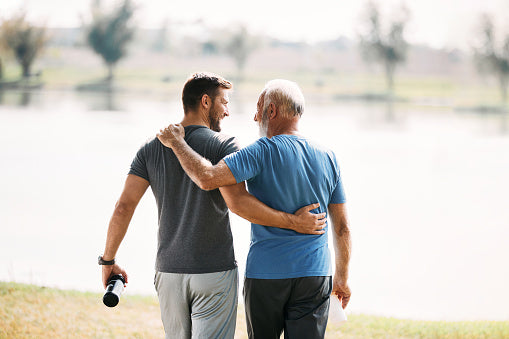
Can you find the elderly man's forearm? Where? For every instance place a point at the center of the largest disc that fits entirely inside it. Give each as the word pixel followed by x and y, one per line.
pixel 343 250
pixel 199 169
pixel 341 239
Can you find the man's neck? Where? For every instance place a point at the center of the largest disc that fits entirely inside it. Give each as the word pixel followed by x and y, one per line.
pixel 290 127
pixel 192 118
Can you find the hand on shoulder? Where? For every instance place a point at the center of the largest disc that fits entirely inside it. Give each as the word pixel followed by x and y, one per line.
pixel 171 135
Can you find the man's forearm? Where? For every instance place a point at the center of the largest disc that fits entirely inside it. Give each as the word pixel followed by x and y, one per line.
pixel 119 223
pixel 117 229
pixel 247 206
pixel 342 241
pixel 134 189
pixel 342 247
pixel 199 169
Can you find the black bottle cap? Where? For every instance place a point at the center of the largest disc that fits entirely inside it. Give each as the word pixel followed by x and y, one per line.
pixel 110 299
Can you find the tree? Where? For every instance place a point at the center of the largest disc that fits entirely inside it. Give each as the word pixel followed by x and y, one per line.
pixel 2 47
pixel 491 57
pixel 109 33
pixel 388 48
pixel 239 47
pixel 25 40
pixel 160 43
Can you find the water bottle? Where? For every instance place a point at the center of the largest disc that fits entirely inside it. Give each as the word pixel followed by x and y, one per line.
pixel 114 290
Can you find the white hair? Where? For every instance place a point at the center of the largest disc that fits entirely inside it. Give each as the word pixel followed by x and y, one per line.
pixel 284 94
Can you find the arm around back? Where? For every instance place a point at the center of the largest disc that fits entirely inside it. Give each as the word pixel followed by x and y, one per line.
pixel 210 177
pixel 247 206
pixel 199 169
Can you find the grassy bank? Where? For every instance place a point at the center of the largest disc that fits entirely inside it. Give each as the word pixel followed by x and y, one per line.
pixel 154 73
pixel 28 311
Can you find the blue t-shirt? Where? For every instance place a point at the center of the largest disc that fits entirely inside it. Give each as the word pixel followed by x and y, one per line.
pixel 287 172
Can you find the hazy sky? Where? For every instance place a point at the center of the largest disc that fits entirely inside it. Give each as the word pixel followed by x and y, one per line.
pixel 439 23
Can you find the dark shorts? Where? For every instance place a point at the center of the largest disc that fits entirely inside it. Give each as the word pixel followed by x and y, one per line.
pixel 299 306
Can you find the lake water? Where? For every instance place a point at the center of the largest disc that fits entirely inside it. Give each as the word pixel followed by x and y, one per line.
pixel 426 187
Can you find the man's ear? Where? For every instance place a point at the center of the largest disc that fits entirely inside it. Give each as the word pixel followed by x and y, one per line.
pixel 272 111
pixel 206 101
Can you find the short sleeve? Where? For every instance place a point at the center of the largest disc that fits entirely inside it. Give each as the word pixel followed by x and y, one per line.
pixel 229 146
pixel 139 165
pixel 338 195
pixel 246 163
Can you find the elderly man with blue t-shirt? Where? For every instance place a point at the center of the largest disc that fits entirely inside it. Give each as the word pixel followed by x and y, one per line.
pixel 288 275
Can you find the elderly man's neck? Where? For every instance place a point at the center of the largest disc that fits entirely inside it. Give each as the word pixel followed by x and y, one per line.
pixel 283 126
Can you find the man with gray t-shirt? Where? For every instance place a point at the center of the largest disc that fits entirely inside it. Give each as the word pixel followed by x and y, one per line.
pixel 196 273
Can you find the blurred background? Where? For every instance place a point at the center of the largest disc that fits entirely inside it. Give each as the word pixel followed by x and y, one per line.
pixel 411 95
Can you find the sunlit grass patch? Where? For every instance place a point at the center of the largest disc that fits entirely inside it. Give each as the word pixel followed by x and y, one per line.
pixel 364 326
pixel 28 311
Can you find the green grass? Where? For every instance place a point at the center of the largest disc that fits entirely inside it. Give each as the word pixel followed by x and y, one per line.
pixel 364 326
pixel 28 311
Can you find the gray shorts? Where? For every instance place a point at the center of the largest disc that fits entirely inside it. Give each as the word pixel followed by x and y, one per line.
pixel 198 305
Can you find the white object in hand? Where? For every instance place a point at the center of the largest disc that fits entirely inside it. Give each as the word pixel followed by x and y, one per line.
pixel 341 315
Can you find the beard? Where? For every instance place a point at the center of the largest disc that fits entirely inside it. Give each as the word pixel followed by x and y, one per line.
pixel 214 121
pixel 215 124
pixel 263 125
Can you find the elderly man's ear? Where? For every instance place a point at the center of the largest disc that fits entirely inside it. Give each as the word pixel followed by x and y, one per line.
pixel 272 111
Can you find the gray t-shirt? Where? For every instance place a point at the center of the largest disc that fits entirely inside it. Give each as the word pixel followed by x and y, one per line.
pixel 194 225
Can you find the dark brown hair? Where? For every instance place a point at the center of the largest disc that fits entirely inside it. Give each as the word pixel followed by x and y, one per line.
pixel 198 85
